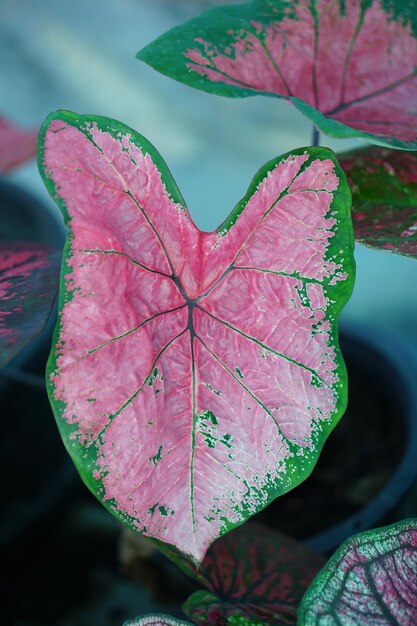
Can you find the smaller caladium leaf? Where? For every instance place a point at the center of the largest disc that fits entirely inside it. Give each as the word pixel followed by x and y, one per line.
pixel 384 198
pixel 196 375
pixel 17 145
pixel 253 573
pixel 207 609
pixel 350 67
pixel 156 619
pixel 371 579
pixel 29 276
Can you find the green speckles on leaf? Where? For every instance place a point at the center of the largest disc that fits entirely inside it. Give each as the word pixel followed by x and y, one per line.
pixel 162 508
pixel 208 415
pixel 153 377
pixel 302 294
pixel 316 382
pixel 217 392
pixel 238 372
pixel 165 510
pixel 207 424
pixel 212 441
pixel 158 456
pixel 152 509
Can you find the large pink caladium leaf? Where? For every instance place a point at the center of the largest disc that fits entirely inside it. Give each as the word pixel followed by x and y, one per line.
pixel 29 276
pixel 196 375
pixel 348 66
pixel 17 145
pixel 370 580
pixel 384 198
pixel 253 573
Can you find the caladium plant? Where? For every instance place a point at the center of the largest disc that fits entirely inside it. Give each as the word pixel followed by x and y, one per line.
pixel 196 375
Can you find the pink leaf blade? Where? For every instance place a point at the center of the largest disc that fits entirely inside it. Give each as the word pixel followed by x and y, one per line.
pixel 349 67
pixel 384 198
pixel 28 285
pixel 17 145
pixel 371 579
pixel 147 381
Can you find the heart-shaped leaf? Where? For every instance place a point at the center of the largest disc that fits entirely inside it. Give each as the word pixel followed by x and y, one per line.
pixel 253 573
pixel 384 198
pixel 17 145
pixel 28 285
pixel 350 67
pixel 196 375
pixel 371 579
pixel 157 619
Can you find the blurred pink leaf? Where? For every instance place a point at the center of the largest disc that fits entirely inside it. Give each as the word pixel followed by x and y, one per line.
pixel 370 580
pixel 29 276
pixel 17 145
pixel 384 198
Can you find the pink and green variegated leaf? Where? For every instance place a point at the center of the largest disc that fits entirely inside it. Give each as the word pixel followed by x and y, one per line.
pixel 350 67
pixel 384 198
pixel 17 145
pixel 157 619
pixel 29 276
pixel 371 580
pixel 207 609
pixel 253 573
pixel 196 375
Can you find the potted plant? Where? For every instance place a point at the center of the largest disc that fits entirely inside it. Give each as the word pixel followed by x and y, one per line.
pixel 196 376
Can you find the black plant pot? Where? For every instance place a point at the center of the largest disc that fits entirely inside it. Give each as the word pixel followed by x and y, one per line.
pixel 369 462
pixel 32 456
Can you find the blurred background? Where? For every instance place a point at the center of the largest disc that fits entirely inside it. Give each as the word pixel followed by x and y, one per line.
pixel 80 55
